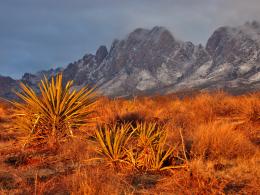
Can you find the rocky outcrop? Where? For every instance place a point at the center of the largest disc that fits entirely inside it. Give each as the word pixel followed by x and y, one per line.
pixel 7 87
pixel 235 51
pixel 101 54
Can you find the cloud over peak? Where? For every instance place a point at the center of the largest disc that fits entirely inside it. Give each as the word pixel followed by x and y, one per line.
pixel 36 34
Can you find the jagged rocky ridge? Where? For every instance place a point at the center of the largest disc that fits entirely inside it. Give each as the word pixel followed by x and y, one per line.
pixel 154 61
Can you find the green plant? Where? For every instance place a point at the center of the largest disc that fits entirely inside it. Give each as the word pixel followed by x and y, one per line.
pixel 55 113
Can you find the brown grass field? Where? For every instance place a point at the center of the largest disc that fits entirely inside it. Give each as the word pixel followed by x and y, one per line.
pixel 213 141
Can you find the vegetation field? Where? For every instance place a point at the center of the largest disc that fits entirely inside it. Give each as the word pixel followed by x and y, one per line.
pixel 207 143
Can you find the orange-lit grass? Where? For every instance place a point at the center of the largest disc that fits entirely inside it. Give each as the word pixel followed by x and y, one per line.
pixel 221 137
pixel 221 140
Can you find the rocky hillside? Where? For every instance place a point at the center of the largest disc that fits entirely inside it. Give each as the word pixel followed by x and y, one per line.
pixel 7 86
pixel 152 61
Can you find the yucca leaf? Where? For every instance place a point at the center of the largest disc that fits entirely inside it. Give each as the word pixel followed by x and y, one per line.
pixel 57 110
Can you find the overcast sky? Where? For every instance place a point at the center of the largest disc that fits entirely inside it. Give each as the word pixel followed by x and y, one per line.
pixel 41 34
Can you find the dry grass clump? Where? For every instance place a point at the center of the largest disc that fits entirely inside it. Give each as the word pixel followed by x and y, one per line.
pixel 55 114
pixel 220 140
pixel 2 110
pixel 98 180
pixel 250 111
pixel 236 176
pixel 2 113
pixel 5 111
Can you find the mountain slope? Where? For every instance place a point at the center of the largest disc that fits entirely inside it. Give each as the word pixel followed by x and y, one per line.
pixel 151 61
pixel 7 86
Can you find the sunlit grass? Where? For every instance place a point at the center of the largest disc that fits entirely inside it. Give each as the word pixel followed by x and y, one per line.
pixel 201 144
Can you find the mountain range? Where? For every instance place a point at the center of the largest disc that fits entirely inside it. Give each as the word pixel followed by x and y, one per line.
pixel 149 61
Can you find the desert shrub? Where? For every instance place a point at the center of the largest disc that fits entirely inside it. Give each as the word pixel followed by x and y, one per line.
pixel 152 157
pixel 2 110
pixel 225 105
pixel 142 146
pixel 152 152
pixel 149 134
pixel 250 108
pixel 98 180
pixel 220 140
pixel 5 110
pixel 2 113
pixel 113 140
pixel 203 105
pixel 56 113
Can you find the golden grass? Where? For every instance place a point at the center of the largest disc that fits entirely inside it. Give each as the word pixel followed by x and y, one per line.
pixel 219 133
pixel 221 140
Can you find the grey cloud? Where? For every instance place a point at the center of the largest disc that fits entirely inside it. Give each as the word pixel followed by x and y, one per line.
pixel 38 34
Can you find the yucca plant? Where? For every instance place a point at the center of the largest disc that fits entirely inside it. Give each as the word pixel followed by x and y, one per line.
pixel 159 158
pixel 148 133
pixel 151 151
pixel 155 156
pixel 55 113
pixel 113 141
pixel 143 147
